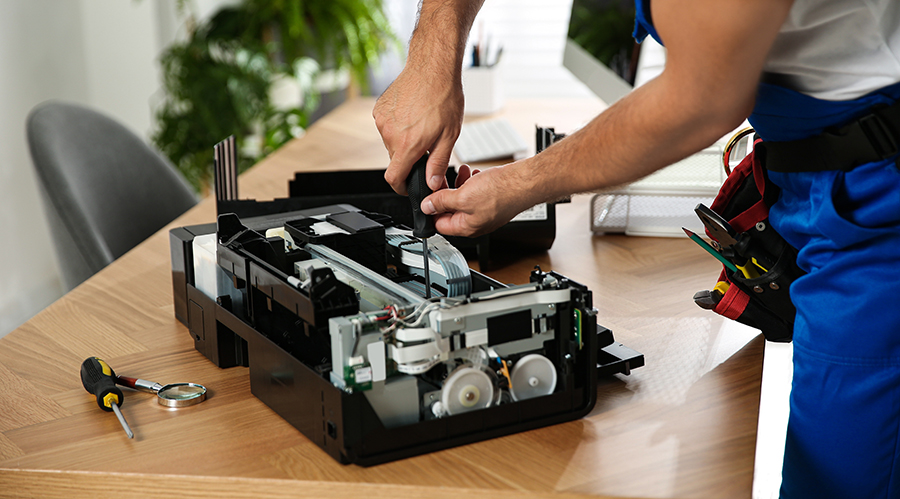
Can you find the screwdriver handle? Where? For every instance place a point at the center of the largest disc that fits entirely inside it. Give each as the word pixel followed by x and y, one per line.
pixel 100 380
pixel 423 225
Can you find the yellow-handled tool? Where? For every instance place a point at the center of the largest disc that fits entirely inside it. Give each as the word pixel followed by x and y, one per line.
pixel 100 380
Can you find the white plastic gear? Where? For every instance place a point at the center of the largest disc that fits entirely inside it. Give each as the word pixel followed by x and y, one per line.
pixel 532 376
pixel 467 389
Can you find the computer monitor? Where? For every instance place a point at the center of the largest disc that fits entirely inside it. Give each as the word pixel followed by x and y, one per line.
pixel 600 50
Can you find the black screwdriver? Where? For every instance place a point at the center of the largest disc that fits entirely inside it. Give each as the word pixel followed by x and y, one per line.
pixel 423 225
pixel 100 380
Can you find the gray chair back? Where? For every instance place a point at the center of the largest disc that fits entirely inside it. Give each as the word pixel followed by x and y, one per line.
pixel 104 189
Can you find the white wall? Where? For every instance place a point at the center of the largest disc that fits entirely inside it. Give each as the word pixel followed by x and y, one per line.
pixel 101 53
pixel 41 56
pixel 120 50
pixel 533 34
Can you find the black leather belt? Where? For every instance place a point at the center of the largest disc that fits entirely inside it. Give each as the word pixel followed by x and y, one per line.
pixel 874 137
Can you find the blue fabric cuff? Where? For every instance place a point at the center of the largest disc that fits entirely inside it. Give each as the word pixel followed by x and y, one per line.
pixel 643 23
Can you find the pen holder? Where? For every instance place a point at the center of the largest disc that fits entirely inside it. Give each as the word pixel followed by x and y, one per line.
pixel 482 89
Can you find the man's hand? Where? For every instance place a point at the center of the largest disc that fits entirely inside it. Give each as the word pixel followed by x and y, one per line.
pixel 480 204
pixel 422 110
pixel 716 52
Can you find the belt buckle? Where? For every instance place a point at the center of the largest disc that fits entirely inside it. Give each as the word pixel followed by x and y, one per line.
pixel 879 134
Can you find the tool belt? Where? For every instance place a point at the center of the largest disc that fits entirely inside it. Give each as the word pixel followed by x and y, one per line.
pixel 756 294
pixel 873 137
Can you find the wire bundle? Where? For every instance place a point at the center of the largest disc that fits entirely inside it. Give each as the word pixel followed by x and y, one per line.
pixel 454 269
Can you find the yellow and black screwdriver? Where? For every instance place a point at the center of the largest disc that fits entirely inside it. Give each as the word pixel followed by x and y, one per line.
pixel 423 225
pixel 100 380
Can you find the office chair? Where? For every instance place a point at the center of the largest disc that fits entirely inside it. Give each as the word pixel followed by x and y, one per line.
pixel 104 190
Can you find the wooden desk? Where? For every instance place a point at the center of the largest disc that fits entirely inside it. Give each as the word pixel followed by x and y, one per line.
pixel 683 426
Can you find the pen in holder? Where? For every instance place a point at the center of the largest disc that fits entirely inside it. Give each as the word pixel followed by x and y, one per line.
pixel 483 89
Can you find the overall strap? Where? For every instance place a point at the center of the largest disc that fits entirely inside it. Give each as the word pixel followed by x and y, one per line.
pixel 872 137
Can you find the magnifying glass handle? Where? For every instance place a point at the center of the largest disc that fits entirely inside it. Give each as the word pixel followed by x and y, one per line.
pixel 138 384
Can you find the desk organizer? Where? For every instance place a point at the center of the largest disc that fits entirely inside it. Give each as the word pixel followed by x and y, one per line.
pixel 483 90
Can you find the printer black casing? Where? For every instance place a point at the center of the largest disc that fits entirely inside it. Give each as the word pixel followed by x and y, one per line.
pixel 281 333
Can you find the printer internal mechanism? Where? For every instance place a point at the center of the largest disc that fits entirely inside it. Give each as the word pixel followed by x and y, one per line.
pixel 327 308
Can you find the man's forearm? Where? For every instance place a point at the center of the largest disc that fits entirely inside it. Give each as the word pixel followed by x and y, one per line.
pixel 653 127
pixel 656 125
pixel 422 109
pixel 716 51
pixel 439 40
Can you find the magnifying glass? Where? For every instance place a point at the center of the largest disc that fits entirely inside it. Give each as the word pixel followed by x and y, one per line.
pixel 171 395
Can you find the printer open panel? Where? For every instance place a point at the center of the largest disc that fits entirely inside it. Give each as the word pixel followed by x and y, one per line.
pixel 371 383
pixel 327 308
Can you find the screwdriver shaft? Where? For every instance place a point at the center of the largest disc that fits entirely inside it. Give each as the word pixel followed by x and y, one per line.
pixel 427 273
pixel 115 408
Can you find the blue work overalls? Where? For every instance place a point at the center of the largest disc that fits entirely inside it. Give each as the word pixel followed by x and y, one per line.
pixel 843 437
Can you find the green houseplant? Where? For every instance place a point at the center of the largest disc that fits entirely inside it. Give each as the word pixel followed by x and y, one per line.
pixel 220 80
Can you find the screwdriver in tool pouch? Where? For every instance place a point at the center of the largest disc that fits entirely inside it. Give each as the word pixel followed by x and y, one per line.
pixel 423 225
pixel 100 380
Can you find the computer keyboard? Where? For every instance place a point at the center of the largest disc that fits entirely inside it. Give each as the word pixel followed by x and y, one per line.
pixel 488 140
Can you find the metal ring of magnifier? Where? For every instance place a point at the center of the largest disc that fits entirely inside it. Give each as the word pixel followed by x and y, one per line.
pixel 181 394
pixel 171 395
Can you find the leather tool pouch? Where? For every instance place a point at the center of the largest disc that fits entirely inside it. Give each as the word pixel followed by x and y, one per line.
pixel 760 297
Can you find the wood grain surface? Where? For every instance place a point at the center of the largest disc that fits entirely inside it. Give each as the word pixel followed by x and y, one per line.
pixel 683 426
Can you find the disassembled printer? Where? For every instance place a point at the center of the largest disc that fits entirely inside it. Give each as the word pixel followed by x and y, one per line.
pixel 327 307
